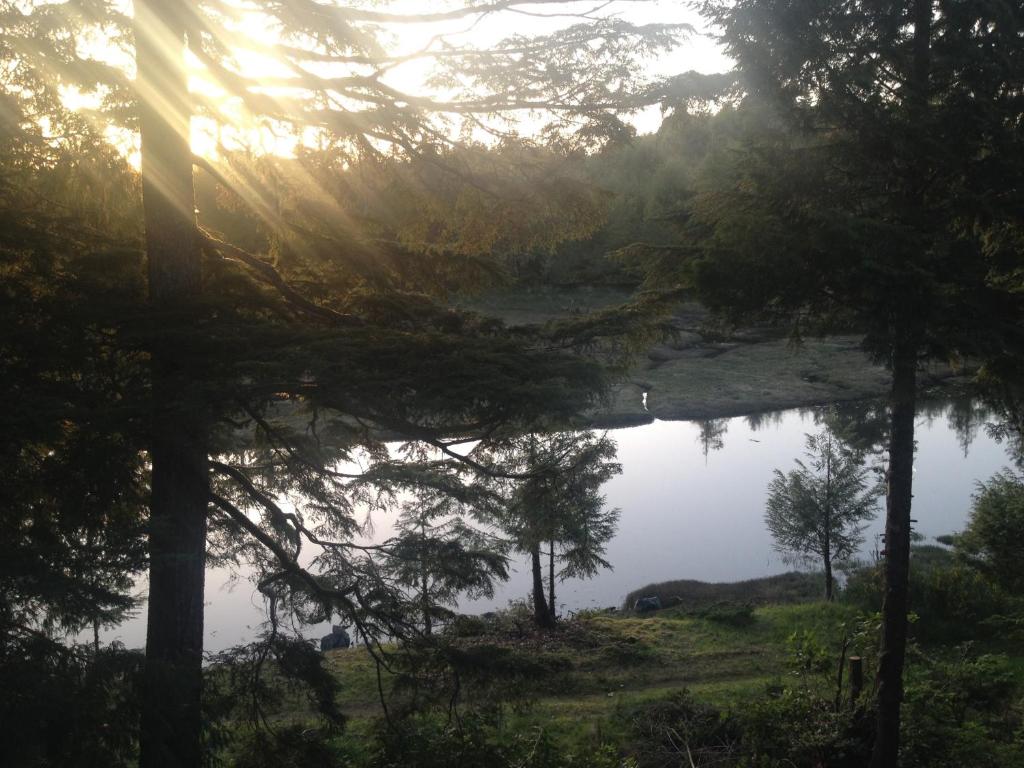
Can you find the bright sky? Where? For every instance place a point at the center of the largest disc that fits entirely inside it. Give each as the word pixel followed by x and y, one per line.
pixel 699 52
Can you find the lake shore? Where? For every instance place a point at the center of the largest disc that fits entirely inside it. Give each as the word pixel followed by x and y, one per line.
pixel 696 376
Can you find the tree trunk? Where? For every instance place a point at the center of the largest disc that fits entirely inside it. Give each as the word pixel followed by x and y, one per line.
pixel 885 753
pixel 171 726
pixel 828 522
pixel 828 577
pixel 551 581
pixel 897 558
pixel 540 607
pixel 425 602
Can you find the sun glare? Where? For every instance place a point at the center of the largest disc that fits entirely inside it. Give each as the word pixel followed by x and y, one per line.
pixel 222 122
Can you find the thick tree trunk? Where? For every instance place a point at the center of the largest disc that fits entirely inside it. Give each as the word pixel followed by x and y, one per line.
pixel 171 727
pixel 897 558
pixel 540 606
pixel 551 580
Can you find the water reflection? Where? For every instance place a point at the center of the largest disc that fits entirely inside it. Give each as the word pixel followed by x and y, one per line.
pixel 692 497
pixel 712 435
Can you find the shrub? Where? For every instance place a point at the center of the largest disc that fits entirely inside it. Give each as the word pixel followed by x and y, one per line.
pixel 679 728
pixel 799 729
pixel 951 599
pixel 476 741
pixel 952 603
pixel 964 712
pixel 289 747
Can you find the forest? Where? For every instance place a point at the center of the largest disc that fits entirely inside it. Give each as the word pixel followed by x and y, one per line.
pixel 419 324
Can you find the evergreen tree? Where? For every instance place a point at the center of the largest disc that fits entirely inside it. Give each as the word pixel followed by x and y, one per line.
pixel 440 556
pixel 866 181
pixel 282 364
pixel 816 512
pixel 555 502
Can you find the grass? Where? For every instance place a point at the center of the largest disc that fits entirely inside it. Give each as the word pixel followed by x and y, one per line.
pixel 589 684
pixel 604 663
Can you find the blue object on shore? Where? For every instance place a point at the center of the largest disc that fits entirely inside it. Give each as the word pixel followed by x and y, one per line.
pixel 337 639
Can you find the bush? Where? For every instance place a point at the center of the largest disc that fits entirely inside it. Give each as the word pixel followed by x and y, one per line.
pixel 951 599
pixel 952 604
pixel 289 747
pixel 964 712
pixel 672 730
pixel 476 741
pixel 798 729
pixel 67 705
pixel 629 652
pixel 994 538
pixel 467 626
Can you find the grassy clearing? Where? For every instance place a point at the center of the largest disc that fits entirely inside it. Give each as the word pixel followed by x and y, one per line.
pixel 592 688
pixel 600 664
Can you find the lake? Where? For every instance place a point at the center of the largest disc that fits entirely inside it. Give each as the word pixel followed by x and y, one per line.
pixel 692 504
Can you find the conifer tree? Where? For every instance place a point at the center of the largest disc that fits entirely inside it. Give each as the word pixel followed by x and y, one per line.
pixel 557 504
pixel 816 512
pixel 282 364
pixel 870 198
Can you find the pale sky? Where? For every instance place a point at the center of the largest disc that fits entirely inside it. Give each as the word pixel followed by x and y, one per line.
pixel 699 52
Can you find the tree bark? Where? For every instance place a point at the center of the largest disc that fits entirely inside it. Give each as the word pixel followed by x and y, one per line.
pixel 828 577
pixel 892 655
pixel 425 601
pixel 897 558
pixel 551 580
pixel 540 607
pixel 828 522
pixel 171 726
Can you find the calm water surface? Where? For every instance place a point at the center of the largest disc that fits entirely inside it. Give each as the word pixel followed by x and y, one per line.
pixel 690 510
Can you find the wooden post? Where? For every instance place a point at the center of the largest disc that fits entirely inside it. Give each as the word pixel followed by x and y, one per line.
pixel 856 679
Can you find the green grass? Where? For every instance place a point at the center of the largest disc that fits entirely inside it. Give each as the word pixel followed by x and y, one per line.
pixel 606 662
pixel 588 684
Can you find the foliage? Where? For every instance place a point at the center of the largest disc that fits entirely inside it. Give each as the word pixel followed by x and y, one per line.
pixel 698 595
pixel 476 740
pixel 952 601
pixel 964 711
pixel 817 512
pixel 559 506
pixel 439 555
pixel 680 728
pixel 67 705
pixel 800 728
pixel 994 538
pixel 292 746
pixel 249 684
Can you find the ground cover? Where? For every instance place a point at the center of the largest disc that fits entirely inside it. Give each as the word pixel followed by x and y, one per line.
pixel 606 687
